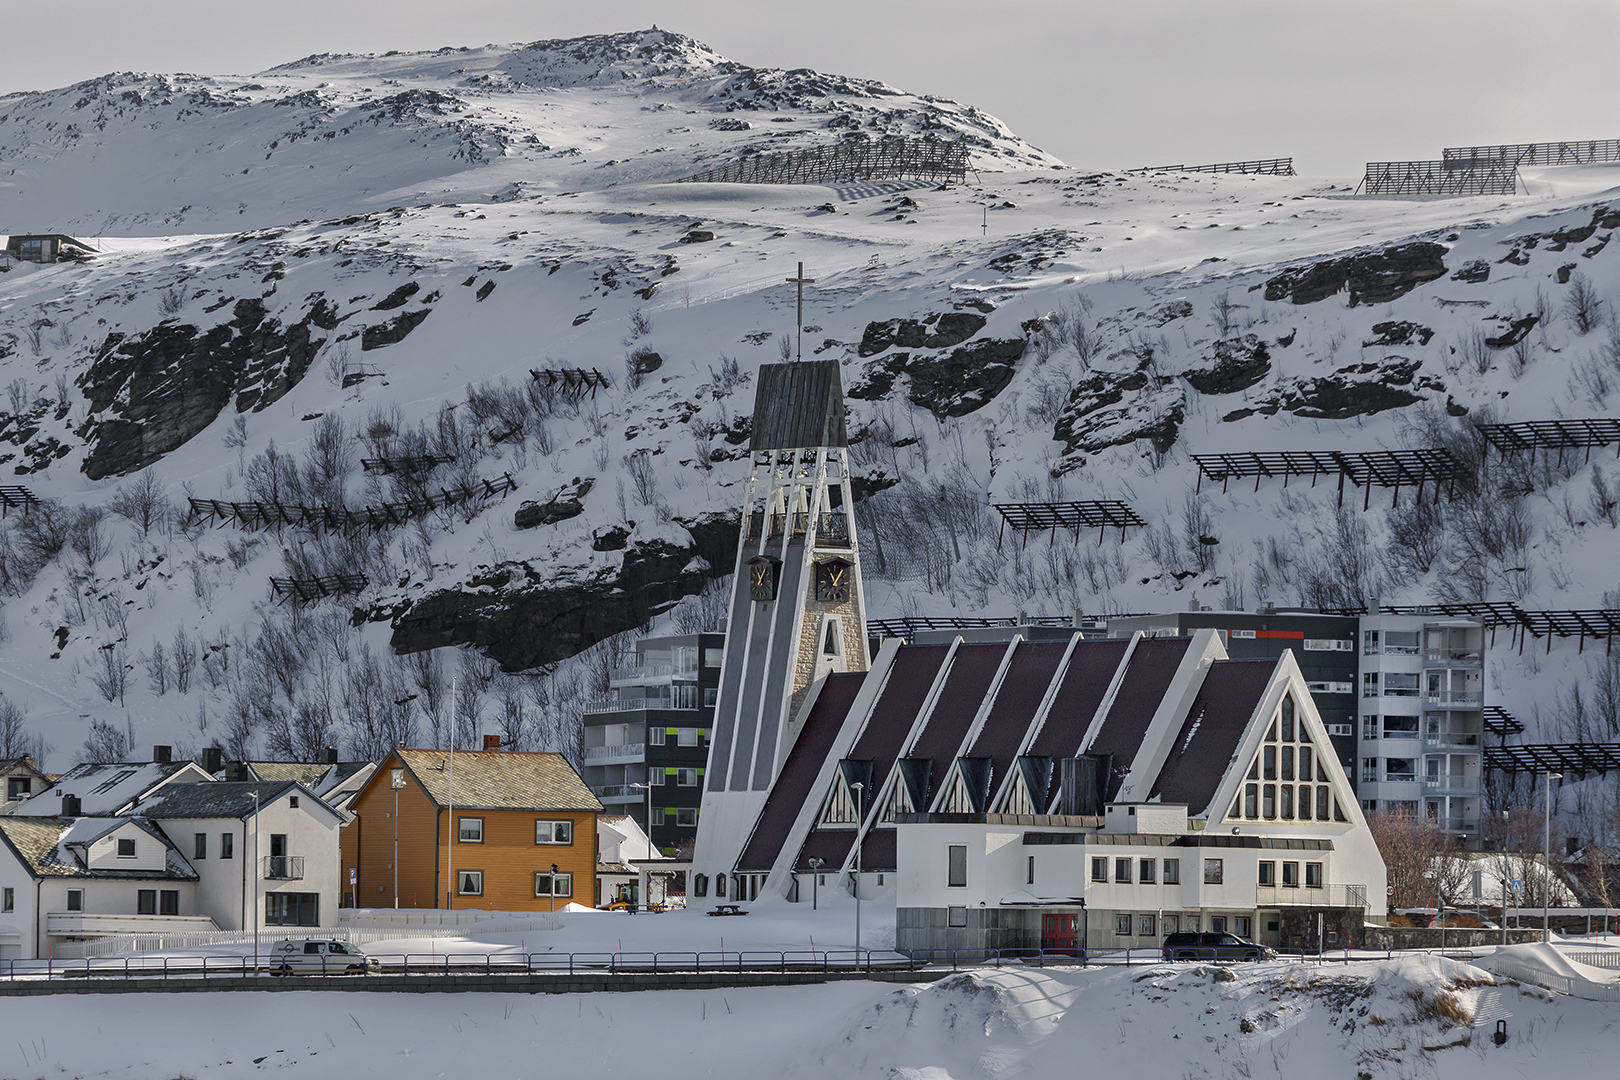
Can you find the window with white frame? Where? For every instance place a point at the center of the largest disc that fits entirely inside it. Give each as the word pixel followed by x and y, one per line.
pixel 1214 870
pixel 655 736
pixel 75 899
pixel 1172 871
pixel 686 817
pixel 553 832
pixel 688 736
pixel 126 848
pixel 1099 868
pixel 470 882
pixel 471 830
pixel 1122 870
pixel 554 885
pixel 686 777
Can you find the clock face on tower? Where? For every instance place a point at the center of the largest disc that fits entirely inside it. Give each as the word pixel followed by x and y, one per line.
pixel 833 581
pixel 762 576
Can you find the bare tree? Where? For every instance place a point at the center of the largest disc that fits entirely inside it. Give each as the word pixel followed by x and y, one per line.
pixel 14 738
pixel 1417 857
pixel 107 742
pixel 157 669
pixel 144 501
pixel 110 676
pixel 1583 304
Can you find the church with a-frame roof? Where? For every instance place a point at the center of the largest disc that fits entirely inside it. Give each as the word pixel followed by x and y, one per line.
pixel 1045 790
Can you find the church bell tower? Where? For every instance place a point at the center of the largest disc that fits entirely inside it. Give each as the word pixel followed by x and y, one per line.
pixel 797 611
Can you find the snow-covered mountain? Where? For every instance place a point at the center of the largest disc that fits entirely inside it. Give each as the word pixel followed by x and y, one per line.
pixel 351 258
pixel 135 154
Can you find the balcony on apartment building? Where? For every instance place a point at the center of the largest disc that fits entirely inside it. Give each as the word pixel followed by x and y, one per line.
pixel 1331 896
pixel 622 754
pixel 283 868
pixel 620 793
pixel 1451 784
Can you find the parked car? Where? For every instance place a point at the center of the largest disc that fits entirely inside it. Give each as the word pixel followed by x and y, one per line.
pixel 314 956
pixel 1191 946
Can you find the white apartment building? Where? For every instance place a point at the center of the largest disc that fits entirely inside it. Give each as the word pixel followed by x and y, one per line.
pixel 1422 695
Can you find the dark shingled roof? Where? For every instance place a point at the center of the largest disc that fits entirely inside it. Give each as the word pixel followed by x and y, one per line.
pixel 1210 734
pixel 1086 680
pixel 1017 699
pixel 972 669
pixel 221 799
pixel 896 710
pixel 793 788
pixel 799 405
pixel 1141 692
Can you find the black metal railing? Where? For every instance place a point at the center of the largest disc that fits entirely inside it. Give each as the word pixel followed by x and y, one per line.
pixel 283 867
pixel 832 529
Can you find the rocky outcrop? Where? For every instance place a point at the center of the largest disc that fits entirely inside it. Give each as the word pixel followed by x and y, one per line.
pixel 567 503
pixel 966 380
pixel 1238 365
pixel 522 616
pixel 1374 278
pixel 1113 410
pixel 960 382
pixel 934 332
pixel 151 392
pixel 392 331
pixel 1399 333
pixel 1358 390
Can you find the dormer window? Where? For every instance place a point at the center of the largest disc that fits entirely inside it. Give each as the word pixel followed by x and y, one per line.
pixel 126 848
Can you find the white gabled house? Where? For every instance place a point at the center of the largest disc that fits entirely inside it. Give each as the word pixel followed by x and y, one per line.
pixel 265 853
pixel 191 857
pixel 66 879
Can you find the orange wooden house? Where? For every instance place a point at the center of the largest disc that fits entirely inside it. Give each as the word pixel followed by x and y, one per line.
pixel 496 830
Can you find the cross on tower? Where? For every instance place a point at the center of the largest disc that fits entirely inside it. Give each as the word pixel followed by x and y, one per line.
pixel 801 281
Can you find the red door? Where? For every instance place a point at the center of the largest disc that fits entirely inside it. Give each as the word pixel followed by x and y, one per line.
pixel 1060 934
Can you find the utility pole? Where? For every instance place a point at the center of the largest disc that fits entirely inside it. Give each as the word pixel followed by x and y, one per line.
pixel 396 781
pixel 860 815
pixel 450 833
pixel 1546 843
pixel 801 281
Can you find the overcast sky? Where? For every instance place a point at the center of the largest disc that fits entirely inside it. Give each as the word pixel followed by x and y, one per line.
pixel 1099 83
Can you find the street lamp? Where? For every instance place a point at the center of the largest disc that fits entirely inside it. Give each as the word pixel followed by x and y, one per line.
pixel 815 880
pixel 396 780
pixel 860 819
pixel 646 896
pixel 1546 843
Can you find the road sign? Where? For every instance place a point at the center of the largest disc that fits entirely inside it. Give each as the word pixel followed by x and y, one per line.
pixel 353 872
pixel 1516 885
pixel 1389 890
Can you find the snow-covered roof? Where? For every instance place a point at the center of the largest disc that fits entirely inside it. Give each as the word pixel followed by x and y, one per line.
pixel 110 787
pixel 56 846
pixel 223 799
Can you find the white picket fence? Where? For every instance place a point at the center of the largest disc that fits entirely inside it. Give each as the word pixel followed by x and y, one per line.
pixel 1563 984
pixel 369 926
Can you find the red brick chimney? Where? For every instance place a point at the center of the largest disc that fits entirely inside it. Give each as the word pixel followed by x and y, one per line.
pixel 492 742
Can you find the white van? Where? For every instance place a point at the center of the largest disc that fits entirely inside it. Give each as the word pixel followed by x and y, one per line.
pixel 312 956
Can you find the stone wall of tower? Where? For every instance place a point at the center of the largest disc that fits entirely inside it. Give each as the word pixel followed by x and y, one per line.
pixel 804 664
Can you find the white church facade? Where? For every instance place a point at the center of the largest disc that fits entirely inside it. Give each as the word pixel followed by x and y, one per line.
pixel 1005 794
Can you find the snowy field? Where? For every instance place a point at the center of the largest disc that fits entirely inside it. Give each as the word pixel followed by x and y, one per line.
pixel 1413 1016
